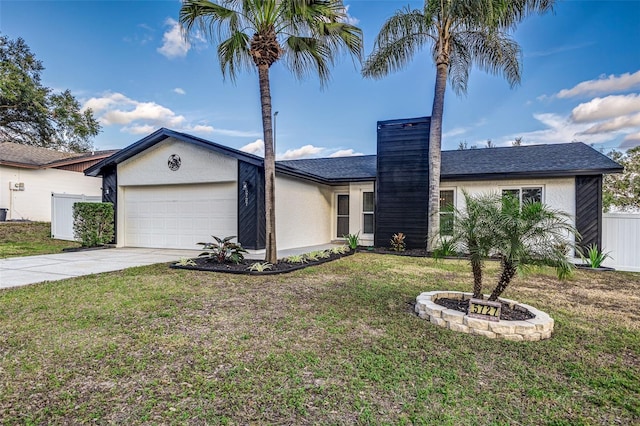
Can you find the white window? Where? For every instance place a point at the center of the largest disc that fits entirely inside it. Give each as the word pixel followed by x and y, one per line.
pixel 525 193
pixel 447 207
pixel 367 212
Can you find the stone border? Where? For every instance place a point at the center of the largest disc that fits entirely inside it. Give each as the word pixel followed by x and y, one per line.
pixel 534 329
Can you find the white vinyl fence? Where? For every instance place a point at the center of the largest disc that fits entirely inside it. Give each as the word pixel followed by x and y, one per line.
pixel 62 213
pixel 621 237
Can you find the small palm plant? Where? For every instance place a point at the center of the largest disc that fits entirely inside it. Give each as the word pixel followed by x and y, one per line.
pixel 529 234
pixel 473 232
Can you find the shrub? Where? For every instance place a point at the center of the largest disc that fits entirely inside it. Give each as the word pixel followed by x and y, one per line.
pixel 296 258
pixel 260 267
pixel 352 240
pixel 445 247
pixel 594 257
pixel 223 250
pixel 397 242
pixel 93 223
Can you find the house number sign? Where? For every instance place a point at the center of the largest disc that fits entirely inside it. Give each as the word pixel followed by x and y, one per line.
pixel 484 309
pixel 174 162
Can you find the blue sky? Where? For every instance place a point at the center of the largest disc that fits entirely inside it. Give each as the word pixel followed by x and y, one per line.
pixel 126 59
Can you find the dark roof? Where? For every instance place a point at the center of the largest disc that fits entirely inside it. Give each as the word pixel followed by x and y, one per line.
pixel 34 157
pixel 567 159
pixel 354 168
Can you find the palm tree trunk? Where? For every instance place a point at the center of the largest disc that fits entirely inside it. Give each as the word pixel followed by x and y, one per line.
pixel 508 272
pixel 435 143
pixel 271 254
pixel 476 267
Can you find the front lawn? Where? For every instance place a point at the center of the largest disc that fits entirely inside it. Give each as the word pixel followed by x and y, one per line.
pixel 29 239
pixel 332 344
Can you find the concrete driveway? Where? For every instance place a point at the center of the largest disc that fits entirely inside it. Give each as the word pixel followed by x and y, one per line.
pixel 18 271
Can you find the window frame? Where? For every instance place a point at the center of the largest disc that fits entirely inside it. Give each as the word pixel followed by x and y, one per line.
pixel 371 212
pixel 337 216
pixel 447 213
pixel 521 188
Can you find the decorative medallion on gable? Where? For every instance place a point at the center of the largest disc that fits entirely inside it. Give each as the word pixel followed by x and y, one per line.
pixel 174 162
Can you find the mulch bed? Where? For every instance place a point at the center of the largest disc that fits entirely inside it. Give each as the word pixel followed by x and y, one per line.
pixel 383 250
pixel 508 314
pixel 282 267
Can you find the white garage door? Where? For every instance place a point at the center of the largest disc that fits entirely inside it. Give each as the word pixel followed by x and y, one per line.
pixel 179 216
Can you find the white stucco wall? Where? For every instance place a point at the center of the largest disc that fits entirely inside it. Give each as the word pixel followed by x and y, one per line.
pixel 34 203
pixel 304 212
pixel 198 165
pixel 557 193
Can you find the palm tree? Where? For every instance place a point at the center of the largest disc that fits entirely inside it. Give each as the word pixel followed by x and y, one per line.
pixel 473 232
pixel 461 33
pixel 307 34
pixel 530 234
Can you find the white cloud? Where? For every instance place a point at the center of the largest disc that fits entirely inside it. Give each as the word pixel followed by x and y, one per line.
pixel 302 152
pixel 630 141
pixel 557 129
pixel 607 107
pixel 457 131
pixel 345 153
pixel 179 91
pixel 174 45
pixel 138 129
pixel 618 123
pixel 256 148
pixel 351 20
pixel 237 133
pixel 116 108
pixel 200 128
pixel 604 84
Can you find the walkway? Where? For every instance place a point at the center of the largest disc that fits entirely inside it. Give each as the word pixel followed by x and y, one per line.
pixel 19 271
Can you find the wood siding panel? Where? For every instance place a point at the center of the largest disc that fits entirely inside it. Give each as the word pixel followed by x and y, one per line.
pixel 110 195
pixel 402 189
pixel 251 214
pixel 589 209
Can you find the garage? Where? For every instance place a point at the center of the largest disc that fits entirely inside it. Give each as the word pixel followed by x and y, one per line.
pixel 179 216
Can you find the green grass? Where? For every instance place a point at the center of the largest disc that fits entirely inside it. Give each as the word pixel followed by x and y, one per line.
pixel 333 344
pixel 28 239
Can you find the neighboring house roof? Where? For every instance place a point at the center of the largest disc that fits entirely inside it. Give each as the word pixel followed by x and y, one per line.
pixel 566 159
pixel 32 157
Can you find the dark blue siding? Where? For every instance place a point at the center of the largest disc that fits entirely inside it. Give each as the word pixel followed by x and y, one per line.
pixel 402 183
pixel 589 209
pixel 110 195
pixel 251 214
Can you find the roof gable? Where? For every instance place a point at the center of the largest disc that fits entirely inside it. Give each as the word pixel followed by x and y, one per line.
pixel 159 136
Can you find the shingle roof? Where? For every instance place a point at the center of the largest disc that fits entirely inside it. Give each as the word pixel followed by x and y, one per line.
pixel 339 168
pixel 567 159
pixel 20 155
pixel 30 155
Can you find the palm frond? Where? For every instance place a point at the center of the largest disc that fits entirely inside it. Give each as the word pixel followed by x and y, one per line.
pixel 233 54
pixel 307 53
pixel 399 39
pixel 495 52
